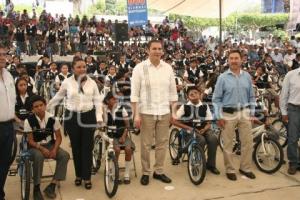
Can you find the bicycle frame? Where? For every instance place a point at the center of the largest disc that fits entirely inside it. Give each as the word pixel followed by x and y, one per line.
pixel 24 153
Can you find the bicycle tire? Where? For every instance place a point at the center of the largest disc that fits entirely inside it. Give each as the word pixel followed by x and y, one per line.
pixel 112 161
pixel 196 154
pixel 14 150
pixel 97 153
pixel 25 180
pixel 173 148
pixel 278 158
pixel 279 126
pixel 220 142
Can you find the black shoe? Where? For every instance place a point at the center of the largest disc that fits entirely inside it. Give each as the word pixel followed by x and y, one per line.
pixel 145 180
pixel 88 185
pixel 78 181
pixel 126 181
pixel 50 191
pixel 175 162
pixel 248 174
pixel 292 170
pixel 162 177
pixel 213 170
pixel 231 176
pixel 37 194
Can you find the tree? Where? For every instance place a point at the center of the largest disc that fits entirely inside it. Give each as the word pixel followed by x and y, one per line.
pixel 77 6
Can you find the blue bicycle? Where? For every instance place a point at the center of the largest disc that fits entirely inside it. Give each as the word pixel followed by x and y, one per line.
pixel 24 166
pixel 181 142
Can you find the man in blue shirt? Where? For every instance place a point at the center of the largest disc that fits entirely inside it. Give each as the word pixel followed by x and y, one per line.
pixel 290 109
pixel 234 104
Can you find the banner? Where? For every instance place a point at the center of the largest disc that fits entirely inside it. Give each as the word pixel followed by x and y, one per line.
pixel 137 12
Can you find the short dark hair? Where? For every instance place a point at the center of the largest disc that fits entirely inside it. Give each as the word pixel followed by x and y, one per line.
pixel 192 88
pixel 153 41
pixel 36 98
pixel 75 60
pixel 108 96
pixel 235 51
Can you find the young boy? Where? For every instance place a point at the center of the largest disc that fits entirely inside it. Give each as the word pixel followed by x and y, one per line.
pixel 116 118
pixel 44 141
pixel 195 109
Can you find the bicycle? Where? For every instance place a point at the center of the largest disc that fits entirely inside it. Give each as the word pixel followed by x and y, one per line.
pixel 104 152
pixel 267 152
pixel 196 157
pixel 281 128
pixel 24 166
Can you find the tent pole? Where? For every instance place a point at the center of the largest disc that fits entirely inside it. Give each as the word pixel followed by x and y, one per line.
pixel 220 21
pixel 220 36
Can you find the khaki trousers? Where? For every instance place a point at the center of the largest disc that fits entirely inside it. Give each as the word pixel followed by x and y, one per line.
pixel 157 126
pixel 242 121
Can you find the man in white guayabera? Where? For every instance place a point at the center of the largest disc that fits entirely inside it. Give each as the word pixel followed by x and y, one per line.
pixel 153 91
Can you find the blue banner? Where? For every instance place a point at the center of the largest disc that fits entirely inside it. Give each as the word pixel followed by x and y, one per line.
pixel 137 12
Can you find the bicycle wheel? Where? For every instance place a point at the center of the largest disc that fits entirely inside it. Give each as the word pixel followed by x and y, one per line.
pixel 220 141
pixel 97 153
pixel 111 175
pixel 196 164
pixel 236 147
pixel 174 143
pixel 14 150
pixel 280 81
pixel 281 129
pixel 25 180
pixel 268 155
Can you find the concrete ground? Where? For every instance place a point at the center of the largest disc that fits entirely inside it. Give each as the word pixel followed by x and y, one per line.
pixel 277 186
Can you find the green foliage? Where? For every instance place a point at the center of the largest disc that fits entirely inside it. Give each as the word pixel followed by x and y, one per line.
pixel 21 7
pixel 119 8
pixel 239 21
pixel 98 8
pixel 195 23
pixel 280 33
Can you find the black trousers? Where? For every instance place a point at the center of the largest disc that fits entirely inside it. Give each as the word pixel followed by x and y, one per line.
pixel 81 128
pixel 6 141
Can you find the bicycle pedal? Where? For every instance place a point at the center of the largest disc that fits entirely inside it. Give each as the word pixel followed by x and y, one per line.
pixel 175 162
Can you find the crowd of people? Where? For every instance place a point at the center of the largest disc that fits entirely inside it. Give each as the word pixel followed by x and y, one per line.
pixel 64 35
pixel 138 84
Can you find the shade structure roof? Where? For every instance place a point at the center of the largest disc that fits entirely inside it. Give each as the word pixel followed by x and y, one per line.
pixel 196 8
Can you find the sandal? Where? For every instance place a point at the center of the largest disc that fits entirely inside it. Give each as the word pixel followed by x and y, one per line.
pixel 88 185
pixel 78 181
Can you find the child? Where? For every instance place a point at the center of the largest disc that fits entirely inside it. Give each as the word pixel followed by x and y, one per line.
pixel 22 106
pixel 43 129
pixel 195 109
pixel 110 77
pixel 116 117
pixel 64 73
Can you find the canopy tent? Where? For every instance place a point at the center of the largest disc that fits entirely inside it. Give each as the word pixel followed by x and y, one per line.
pixel 197 8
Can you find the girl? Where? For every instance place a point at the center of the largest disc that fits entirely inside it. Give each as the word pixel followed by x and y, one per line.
pixel 22 107
pixel 116 118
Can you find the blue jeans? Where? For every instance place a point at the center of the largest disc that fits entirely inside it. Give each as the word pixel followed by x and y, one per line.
pixel 293 134
pixel 6 141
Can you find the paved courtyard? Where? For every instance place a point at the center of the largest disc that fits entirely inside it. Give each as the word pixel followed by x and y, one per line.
pixel 278 186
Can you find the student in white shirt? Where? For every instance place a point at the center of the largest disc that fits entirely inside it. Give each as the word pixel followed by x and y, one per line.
pixel 83 111
pixel 289 57
pixel 44 140
pixel 64 74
